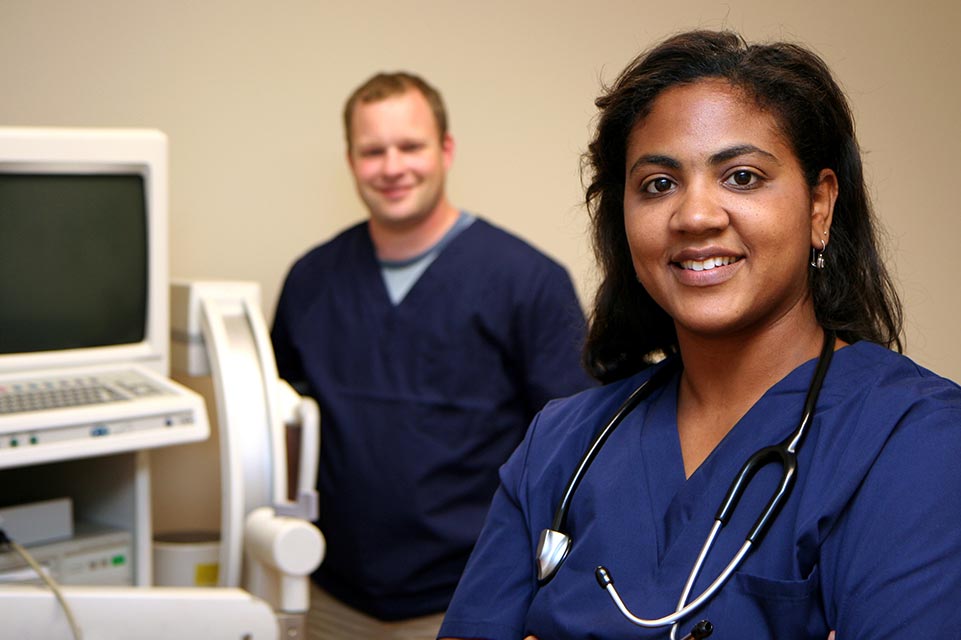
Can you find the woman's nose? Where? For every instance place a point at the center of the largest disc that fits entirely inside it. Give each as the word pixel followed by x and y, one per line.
pixel 700 209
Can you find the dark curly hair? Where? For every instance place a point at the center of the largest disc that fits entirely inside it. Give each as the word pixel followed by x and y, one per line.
pixel 854 296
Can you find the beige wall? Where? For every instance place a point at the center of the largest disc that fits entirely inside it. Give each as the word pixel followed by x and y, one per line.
pixel 250 95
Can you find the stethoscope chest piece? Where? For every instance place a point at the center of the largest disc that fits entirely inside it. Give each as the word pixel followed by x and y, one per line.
pixel 552 548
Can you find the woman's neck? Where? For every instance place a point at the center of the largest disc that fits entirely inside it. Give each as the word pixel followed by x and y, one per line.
pixel 724 377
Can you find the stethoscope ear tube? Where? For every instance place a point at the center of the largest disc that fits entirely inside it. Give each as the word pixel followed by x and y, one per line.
pixel 701 630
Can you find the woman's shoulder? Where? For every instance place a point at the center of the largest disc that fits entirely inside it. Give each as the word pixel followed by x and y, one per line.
pixel 883 476
pixel 579 417
pixel 871 369
pixel 876 400
pixel 560 435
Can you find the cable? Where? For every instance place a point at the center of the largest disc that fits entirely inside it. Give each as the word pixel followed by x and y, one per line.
pixel 49 581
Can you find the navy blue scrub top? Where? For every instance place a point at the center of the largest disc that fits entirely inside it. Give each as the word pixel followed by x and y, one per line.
pixel 421 402
pixel 868 543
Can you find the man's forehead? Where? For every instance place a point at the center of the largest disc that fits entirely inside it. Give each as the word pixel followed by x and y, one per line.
pixel 406 115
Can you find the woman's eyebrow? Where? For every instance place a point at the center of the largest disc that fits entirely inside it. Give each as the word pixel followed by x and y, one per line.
pixel 656 159
pixel 720 157
pixel 730 153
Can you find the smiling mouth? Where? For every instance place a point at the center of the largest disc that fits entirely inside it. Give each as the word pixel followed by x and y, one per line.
pixel 393 192
pixel 707 264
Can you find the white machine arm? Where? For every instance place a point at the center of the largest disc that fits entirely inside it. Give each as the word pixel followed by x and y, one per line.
pixel 220 330
pixel 301 410
pixel 280 552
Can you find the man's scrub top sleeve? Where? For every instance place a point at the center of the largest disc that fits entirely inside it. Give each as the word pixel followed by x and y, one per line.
pixel 892 568
pixel 499 576
pixel 289 366
pixel 552 329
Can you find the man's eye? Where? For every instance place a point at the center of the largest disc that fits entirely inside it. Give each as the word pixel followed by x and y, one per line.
pixel 658 185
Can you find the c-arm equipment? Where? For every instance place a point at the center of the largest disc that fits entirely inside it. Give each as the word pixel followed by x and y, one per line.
pixel 269 546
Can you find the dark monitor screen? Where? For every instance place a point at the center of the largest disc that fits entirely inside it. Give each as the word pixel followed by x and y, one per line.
pixel 73 261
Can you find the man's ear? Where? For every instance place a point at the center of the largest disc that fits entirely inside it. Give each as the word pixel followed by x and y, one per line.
pixel 447 148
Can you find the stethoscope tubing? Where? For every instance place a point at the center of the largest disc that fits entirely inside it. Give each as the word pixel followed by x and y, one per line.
pixel 607 582
pixel 784 452
pixel 657 380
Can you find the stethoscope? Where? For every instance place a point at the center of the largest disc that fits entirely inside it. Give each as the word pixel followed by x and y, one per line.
pixel 554 544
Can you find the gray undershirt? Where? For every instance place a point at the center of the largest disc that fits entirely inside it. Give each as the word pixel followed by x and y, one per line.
pixel 401 275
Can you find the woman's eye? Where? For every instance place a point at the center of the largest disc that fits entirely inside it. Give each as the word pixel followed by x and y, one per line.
pixel 742 178
pixel 658 185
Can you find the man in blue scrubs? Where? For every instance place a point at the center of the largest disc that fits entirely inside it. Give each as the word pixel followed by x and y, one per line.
pixel 429 338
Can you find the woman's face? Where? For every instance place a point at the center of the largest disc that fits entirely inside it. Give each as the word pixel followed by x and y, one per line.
pixel 719 217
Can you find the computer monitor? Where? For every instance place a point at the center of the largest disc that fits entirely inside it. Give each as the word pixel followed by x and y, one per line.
pixel 83 248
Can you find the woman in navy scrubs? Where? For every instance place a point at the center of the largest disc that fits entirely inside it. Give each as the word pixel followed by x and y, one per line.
pixel 737 249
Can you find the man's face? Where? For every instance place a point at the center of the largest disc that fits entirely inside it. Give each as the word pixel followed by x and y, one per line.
pixel 398 159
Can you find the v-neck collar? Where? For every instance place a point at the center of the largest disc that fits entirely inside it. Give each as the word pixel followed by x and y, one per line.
pixel 675 501
pixel 425 280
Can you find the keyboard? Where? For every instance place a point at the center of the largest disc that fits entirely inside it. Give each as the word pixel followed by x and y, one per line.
pixel 41 394
pixel 59 414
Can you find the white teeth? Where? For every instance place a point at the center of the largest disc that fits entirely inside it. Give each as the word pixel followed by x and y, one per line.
pixel 708 263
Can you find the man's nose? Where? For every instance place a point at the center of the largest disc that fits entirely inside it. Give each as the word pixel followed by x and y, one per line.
pixel 393 162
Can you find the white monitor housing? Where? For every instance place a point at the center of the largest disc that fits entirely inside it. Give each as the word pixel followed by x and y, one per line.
pixel 84 297
pixel 101 194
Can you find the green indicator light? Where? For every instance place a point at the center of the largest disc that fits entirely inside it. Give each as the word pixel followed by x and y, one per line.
pixel 118 560
pixel 34 440
pixel 14 442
